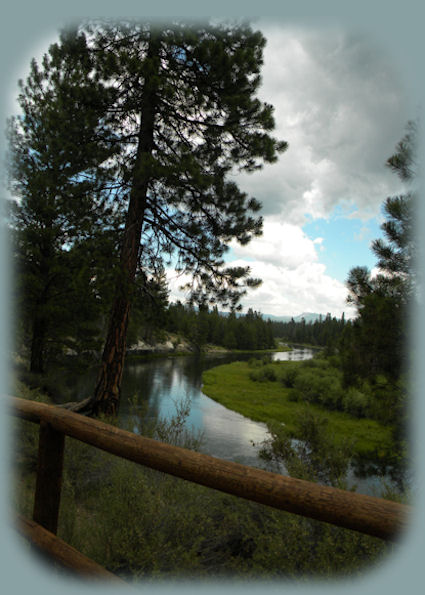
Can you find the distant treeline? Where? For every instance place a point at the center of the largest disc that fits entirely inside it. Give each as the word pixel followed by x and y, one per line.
pixel 325 331
pixel 203 326
pixel 233 330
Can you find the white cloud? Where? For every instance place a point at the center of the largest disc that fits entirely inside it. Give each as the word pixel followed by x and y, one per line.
pixel 341 107
pixel 305 288
pixel 293 279
pixel 175 282
pixel 281 244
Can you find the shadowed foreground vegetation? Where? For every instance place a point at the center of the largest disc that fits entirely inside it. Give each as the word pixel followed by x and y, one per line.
pixel 137 523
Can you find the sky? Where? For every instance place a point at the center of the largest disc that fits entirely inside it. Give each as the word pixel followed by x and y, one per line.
pixel 342 106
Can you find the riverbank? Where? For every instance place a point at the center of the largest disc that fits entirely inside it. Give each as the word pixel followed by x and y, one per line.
pixel 267 400
pixel 172 344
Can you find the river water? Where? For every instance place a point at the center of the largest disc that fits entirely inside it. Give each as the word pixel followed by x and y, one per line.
pixel 161 384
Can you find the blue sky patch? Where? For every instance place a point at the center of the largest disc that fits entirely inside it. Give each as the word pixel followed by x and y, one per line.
pixel 346 242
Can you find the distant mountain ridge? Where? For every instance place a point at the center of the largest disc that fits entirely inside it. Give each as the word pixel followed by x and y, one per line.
pixel 308 316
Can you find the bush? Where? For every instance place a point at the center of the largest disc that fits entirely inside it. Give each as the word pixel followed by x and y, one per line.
pixel 255 362
pixel 313 455
pixel 305 386
pixel 270 373
pixel 329 392
pixel 266 359
pixel 316 362
pixel 294 396
pixel 355 402
pixel 263 374
pixel 319 384
pixel 288 376
pixel 254 376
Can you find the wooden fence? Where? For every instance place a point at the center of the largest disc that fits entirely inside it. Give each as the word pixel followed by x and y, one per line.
pixel 373 516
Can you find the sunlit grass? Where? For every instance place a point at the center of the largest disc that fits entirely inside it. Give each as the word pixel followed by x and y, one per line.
pixel 231 386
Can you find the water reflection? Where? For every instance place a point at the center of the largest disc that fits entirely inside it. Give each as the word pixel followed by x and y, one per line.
pixel 160 384
pixel 295 355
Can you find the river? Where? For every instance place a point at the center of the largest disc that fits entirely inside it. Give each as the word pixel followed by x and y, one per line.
pixel 161 384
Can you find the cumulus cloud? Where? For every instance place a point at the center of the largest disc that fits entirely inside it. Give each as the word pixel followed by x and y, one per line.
pixel 305 288
pixel 341 107
pixel 294 281
pixel 282 244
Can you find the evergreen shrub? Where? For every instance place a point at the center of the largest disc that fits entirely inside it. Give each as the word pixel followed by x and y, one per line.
pixel 288 375
pixel 263 374
pixel 356 402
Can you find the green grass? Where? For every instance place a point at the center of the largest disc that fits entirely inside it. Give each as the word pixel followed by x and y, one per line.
pixel 231 386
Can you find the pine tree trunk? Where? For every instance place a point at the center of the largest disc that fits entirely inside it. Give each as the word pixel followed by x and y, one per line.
pixel 108 389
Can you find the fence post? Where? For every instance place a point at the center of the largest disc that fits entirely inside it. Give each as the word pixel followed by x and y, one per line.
pixel 49 477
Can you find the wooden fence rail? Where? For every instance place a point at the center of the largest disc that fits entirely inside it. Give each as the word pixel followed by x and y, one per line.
pixel 367 514
pixel 67 556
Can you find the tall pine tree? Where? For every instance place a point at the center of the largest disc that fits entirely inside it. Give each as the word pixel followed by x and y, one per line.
pixel 183 115
pixel 378 341
pixel 56 173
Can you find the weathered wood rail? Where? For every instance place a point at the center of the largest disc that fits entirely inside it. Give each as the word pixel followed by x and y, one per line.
pixel 370 515
pixel 62 552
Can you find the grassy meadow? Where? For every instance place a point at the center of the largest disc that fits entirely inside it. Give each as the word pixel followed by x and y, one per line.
pixel 262 394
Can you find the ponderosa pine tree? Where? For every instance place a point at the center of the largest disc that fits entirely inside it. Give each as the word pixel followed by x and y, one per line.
pixel 56 173
pixel 397 254
pixel 183 115
pixel 378 335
